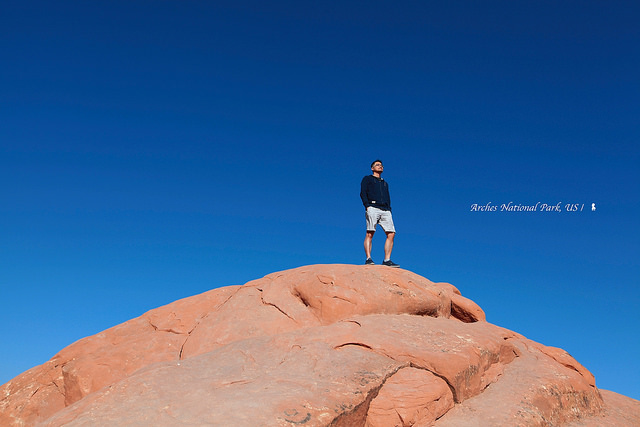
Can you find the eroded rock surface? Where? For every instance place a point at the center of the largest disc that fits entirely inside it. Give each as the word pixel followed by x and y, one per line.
pixel 323 345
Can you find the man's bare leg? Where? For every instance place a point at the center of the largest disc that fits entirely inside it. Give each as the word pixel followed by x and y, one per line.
pixel 367 243
pixel 388 246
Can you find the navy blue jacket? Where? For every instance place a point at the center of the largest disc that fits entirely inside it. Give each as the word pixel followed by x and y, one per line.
pixel 375 192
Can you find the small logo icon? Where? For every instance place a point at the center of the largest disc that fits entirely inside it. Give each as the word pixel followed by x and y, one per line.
pixel 593 206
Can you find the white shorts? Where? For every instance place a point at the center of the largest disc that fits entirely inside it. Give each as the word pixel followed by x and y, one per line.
pixel 378 216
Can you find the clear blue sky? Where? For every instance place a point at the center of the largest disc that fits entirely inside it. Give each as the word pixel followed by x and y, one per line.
pixel 153 150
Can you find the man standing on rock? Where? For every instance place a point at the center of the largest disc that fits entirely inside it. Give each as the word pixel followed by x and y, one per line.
pixel 374 192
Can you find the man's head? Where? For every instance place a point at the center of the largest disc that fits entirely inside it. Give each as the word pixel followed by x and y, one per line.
pixel 376 167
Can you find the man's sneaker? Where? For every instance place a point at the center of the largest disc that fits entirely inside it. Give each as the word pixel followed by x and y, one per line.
pixel 369 261
pixel 390 264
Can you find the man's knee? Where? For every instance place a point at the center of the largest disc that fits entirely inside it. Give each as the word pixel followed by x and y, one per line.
pixel 391 234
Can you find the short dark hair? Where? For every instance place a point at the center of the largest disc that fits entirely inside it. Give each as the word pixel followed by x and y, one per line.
pixel 376 161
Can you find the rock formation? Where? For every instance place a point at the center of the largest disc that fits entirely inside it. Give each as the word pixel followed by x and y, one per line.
pixel 324 345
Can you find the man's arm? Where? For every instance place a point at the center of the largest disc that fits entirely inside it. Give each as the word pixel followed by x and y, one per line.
pixel 388 195
pixel 363 192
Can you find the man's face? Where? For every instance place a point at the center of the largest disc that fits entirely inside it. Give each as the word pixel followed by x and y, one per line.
pixel 377 167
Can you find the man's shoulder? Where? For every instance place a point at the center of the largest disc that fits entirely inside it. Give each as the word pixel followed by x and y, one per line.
pixel 367 178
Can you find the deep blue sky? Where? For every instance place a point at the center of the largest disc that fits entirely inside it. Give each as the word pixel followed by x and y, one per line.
pixel 153 150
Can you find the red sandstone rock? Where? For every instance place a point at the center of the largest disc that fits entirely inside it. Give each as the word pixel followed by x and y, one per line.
pixel 409 397
pixel 320 345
